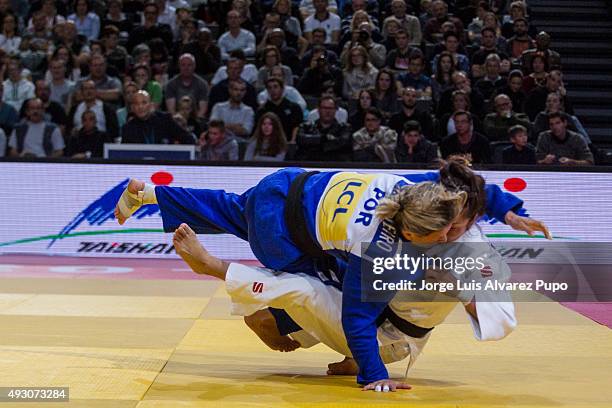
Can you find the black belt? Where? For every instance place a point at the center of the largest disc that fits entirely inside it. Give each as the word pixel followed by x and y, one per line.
pixel 295 219
pixel 298 228
pixel 402 325
pixel 298 232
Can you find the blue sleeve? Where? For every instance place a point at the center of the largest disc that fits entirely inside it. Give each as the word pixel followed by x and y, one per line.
pixel 420 177
pixel 359 324
pixel 498 202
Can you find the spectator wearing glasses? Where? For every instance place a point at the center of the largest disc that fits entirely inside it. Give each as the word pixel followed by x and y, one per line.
pixel 496 124
pixel 373 142
pixel 325 139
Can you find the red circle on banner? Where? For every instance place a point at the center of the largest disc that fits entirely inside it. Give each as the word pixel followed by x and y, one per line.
pixel 515 184
pixel 162 178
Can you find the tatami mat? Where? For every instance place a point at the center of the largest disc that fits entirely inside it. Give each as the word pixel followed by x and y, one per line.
pixel 172 343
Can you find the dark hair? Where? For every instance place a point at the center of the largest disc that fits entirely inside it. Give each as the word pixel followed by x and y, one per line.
pixel 488 29
pixel 70 64
pixel 484 5
pixel 158 46
pixel 456 175
pixel 369 91
pixel 402 31
pixel 275 50
pixel 326 98
pixel 139 67
pixel 521 19
pixel 100 44
pixel 515 130
pixel 374 111
pixel 451 34
pixel 151 4
pixel 279 140
pixel 541 56
pixel 11 14
pixel 319 30
pixel 218 124
pixel 557 115
pixel 110 30
pixel 466 113
pixel 76 2
pixel 412 125
pixel 327 85
pixel 237 54
pixel 393 87
pixel 439 76
pixel 87 112
pixel 279 81
pixel 515 73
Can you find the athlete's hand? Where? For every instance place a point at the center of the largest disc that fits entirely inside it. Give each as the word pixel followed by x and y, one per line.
pixel 529 225
pixel 386 386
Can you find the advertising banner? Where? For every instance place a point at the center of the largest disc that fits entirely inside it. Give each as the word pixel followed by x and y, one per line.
pixel 67 209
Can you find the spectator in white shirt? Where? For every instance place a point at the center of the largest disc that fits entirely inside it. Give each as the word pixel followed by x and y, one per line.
pixel 167 14
pixel 307 8
pixel 16 88
pixel 237 116
pixel 87 23
pixel 325 19
pixel 236 37
pixel 10 39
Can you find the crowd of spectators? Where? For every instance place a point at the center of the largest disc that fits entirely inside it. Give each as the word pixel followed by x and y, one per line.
pixel 392 81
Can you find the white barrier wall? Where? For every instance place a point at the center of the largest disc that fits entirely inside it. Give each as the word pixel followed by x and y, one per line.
pixel 66 208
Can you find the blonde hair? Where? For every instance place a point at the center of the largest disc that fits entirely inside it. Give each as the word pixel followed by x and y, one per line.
pixel 422 208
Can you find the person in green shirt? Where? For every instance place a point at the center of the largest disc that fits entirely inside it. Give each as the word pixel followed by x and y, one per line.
pixel 142 76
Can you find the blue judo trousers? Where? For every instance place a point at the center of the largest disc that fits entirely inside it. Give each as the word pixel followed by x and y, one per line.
pixel 255 216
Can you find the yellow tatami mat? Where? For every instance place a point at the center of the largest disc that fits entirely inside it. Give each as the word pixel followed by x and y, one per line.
pixel 167 343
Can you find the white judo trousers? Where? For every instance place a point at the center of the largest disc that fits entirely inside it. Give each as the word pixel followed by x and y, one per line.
pixel 317 307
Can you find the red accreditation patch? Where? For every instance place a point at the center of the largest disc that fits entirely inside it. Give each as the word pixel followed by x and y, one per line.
pixel 486 272
pixel 257 287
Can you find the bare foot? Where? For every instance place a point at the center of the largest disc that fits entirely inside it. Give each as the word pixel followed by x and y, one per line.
pixel 134 186
pixel 189 248
pixel 264 326
pixel 348 366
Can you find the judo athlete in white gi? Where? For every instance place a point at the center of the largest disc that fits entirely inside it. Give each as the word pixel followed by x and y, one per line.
pixel 317 307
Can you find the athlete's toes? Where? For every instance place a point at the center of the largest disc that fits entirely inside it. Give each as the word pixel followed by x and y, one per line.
pixel 188 231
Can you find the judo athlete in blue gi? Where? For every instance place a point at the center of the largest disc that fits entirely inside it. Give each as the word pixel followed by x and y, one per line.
pixel 311 223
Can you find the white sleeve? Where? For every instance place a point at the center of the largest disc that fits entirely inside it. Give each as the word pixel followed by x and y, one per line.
pixel 309 25
pixel 13 140
pixel 220 75
pixel 495 321
pixel 214 114
pixel 494 308
pixel 57 140
pixel 249 121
